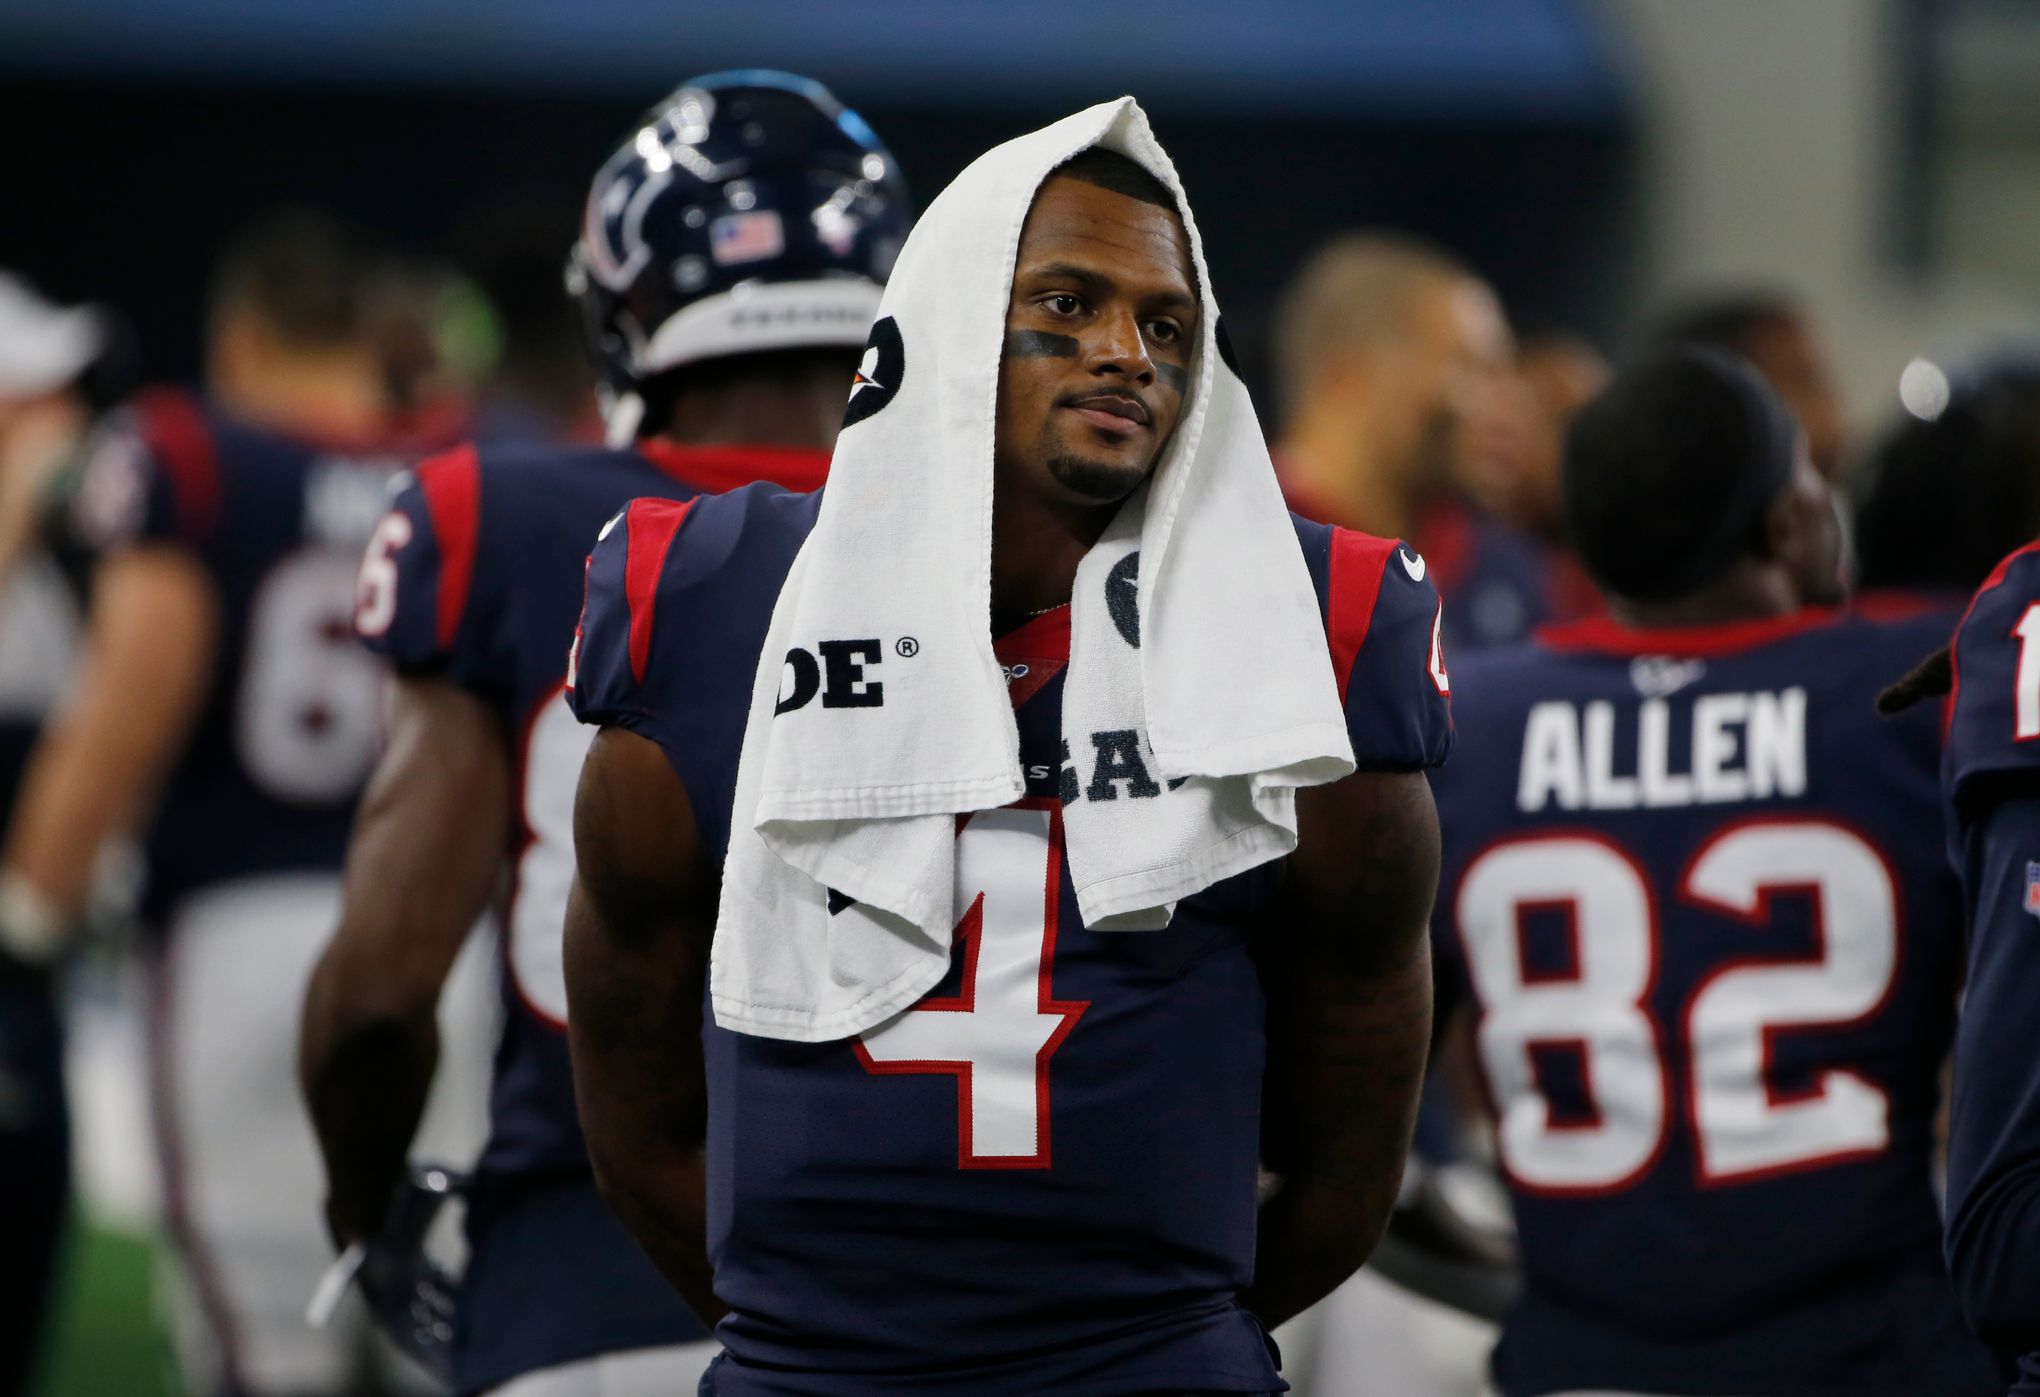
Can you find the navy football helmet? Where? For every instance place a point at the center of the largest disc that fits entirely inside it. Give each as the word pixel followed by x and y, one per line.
pixel 749 211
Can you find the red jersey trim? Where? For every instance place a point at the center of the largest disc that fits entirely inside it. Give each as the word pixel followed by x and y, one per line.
pixel 1901 603
pixel 1034 653
pixel 1607 636
pixel 1353 580
pixel 452 487
pixel 714 469
pixel 649 528
pixel 174 429
pixel 1995 580
pixel 1445 535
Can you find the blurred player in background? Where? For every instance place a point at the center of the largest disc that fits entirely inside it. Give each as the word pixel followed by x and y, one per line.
pixel 224 707
pixel 1557 374
pixel 46 352
pixel 1393 365
pixel 1967 476
pixel 1694 891
pixel 539 386
pixel 1993 798
pixel 726 314
pixel 419 313
pixel 1777 334
pixel 1401 406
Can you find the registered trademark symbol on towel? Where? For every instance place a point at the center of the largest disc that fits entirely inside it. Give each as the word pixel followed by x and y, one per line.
pixel 907 646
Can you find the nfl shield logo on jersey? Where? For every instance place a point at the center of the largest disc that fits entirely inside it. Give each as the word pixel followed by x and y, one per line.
pixel 2033 889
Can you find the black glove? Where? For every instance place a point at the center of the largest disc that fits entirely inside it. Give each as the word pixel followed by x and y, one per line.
pixel 412 1297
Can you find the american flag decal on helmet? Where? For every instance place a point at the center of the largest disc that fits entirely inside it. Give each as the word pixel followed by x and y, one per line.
pixel 746 237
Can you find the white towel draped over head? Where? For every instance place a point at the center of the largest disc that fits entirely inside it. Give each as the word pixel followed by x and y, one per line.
pixel 893 718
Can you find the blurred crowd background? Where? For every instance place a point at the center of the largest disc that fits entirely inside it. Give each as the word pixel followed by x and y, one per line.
pixel 1481 206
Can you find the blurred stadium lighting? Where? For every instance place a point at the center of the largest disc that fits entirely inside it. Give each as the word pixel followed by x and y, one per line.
pixel 1923 389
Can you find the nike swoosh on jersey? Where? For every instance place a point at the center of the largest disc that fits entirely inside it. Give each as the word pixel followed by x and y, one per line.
pixel 1413 566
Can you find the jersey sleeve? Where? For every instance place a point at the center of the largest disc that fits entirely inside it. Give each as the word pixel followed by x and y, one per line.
pixel 150 473
pixel 1382 621
pixel 679 598
pixel 1993 1231
pixel 416 600
pixel 1993 733
pixel 638 598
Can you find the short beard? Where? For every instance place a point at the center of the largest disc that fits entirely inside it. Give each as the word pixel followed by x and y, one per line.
pixel 1093 480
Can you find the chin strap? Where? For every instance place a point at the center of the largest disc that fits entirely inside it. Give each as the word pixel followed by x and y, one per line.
pixel 622 414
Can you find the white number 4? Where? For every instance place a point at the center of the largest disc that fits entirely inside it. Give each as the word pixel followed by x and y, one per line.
pixel 997 1034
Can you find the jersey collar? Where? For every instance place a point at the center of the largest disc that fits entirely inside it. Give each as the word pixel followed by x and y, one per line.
pixel 1034 653
pixel 715 469
pixel 1604 635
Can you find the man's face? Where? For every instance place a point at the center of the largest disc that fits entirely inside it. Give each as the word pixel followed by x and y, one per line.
pixel 1787 353
pixel 1555 378
pixel 1447 385
pixel 1808 533
pixel 1099 335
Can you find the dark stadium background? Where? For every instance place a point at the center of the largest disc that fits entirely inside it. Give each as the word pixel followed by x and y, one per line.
pixel 131 160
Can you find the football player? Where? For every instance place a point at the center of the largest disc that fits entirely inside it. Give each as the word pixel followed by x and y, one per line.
pixel 1776 332
pixel 1988 773
pixel 224 706
pixel 45 353
pixel 729 267
pixel 1694 894
pixel 1966 475
pixel 861 1241
pixel 1396 361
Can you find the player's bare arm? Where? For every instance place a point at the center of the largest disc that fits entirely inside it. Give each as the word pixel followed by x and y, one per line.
pixel 638 928
pixel 1349 1026
pixel 148 661
pixel 421 867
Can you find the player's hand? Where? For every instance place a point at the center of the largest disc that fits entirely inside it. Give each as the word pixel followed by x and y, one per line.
pixel 412 1297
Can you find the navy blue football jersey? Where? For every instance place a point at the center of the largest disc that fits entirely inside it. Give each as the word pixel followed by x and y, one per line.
pixel 1991 776
pixel 902 1212
pixel 475 575
pixel 1498 582
pixel 1693 890
pixel 280 750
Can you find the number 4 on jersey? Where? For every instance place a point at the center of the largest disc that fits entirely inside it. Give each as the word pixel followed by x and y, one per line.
pixel 998 1032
